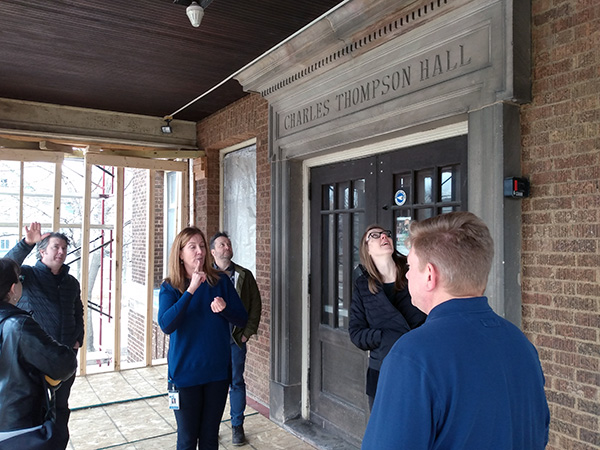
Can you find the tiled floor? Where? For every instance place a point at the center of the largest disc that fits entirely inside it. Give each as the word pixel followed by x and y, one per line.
pixel 128 410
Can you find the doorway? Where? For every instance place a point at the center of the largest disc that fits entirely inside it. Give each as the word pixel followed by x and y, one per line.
pixel 390 189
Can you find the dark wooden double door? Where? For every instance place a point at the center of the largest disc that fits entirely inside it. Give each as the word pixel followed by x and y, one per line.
pixel 389 189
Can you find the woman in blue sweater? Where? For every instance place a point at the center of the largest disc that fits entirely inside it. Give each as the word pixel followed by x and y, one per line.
pixel 196 305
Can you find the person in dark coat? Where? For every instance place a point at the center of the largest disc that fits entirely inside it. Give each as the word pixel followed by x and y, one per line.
pixel 53 296
pixel 247 289
pixel 27 354
pixel 381 309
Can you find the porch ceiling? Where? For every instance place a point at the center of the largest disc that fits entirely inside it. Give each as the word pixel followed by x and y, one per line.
pixel 140 57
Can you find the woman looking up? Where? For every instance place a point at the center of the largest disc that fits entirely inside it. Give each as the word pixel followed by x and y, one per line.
pixel 381 309
pixel 196 305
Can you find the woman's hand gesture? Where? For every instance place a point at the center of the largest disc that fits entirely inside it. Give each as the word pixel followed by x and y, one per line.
pixel 198 277
pixel 218 305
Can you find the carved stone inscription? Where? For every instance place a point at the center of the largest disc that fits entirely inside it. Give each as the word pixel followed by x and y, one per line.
pixel 445 62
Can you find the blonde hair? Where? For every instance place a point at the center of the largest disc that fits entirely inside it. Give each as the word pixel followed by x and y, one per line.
pixel 375 279
pixel 459 245
pixel 177 277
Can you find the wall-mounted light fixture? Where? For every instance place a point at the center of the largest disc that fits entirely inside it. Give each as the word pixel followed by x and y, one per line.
pixel 166 129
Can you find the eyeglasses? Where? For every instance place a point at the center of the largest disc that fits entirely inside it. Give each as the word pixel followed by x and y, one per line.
pixel 21 278
pixel 377 234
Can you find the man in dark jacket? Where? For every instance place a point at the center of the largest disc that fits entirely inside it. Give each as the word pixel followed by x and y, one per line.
pixel 54 299
pixel 247 289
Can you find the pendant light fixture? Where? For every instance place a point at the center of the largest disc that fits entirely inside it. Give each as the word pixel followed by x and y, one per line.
pixel 195 12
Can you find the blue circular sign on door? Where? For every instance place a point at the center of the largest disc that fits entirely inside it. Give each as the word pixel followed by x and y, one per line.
pixel 400 197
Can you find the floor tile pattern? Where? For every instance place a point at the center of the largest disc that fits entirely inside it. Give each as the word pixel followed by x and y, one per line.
pixel 128 410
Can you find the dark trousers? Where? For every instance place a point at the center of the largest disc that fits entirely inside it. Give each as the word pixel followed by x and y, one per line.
pixel 199 415
pixel 372 381
pixel 61 430
pixel 237 391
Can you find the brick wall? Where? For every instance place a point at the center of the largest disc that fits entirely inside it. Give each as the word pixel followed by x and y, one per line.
pixel 139 205
pixel 159 228
pixel 561 260
pixel 238 122
pixel 136 329
pixel 136 324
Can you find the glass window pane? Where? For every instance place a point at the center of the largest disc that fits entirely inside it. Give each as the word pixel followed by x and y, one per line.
pixel 341 266
pixel 402 223
pixel 424 186
pixel 449 184
pixel 424 213
pixel 328 198
pixel 447 209
pixel 327 254
pixel 358 228
pixel 359 193
pixel 343 194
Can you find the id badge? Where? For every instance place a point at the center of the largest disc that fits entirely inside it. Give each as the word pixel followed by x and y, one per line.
pixel 173 399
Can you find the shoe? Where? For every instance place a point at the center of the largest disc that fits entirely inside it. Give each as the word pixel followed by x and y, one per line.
pixel 237 435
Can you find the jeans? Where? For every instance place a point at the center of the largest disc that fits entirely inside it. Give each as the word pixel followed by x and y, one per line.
pixel 237 390
pixel 199 415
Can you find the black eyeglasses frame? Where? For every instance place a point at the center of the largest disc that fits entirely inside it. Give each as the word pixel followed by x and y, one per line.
pixel 377 234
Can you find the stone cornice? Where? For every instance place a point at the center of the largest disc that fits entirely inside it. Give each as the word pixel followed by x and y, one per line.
pixel 338 38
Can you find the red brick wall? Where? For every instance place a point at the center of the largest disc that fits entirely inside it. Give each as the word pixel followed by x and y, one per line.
pixel 561 260
pixel 238 122
pixel 136 343
pixel 136 326
pixel 139 206
pixel 159 226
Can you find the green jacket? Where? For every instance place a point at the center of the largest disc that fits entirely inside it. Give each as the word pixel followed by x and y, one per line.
pixel 247 289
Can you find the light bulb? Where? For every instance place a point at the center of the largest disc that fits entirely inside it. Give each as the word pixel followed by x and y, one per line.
pixel 195 12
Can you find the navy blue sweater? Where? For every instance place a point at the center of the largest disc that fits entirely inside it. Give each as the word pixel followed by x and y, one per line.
pixel 466 379
pixel 199 346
